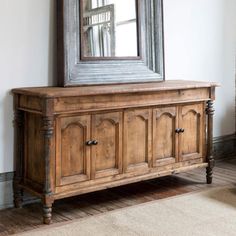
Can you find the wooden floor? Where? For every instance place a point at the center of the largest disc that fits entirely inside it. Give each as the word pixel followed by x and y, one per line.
pixel 29 217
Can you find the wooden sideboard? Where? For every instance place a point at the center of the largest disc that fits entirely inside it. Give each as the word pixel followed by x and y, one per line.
pixel 70 141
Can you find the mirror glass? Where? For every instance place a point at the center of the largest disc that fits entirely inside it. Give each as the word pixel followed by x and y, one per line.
pixel 109 28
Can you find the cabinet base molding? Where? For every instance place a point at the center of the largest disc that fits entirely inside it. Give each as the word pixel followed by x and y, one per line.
pixel 71 141
pixel 78 191
pixel 129 181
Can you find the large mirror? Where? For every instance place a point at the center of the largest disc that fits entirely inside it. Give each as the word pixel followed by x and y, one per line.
pixel 109 28
pixel 110 42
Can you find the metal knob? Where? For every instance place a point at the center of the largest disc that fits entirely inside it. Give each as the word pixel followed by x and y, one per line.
pixel 177 130
pixel 89 143
pixel 94 142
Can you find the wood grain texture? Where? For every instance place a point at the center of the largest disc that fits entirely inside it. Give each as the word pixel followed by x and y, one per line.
pixel 49 162
pixel 119 101
pixel 58 92
pixel 73 156
pixel 165 139
pixel 34 149
pixel 192 120
pixel 137 139
pixel 83 142
pixel 19 122
pixel 107 154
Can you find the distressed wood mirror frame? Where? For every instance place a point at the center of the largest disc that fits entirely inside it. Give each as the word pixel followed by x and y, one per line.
pixel 148 67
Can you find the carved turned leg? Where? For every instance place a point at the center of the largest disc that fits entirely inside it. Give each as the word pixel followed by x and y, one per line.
pixel 18 153
pixel 47 214
pixel 47 211
pixel 210 159
pixel 47 200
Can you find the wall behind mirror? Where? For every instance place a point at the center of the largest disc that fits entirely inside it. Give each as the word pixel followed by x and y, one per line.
pixel 109 28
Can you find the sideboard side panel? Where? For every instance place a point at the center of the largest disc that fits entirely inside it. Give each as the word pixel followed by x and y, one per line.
pixel 34 151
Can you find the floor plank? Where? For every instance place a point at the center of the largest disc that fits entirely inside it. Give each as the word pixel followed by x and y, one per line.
pixel 29 217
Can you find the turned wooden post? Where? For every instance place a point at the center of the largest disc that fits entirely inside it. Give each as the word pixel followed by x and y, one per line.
pixel 48 128
pixel 210 159
pixel 18 153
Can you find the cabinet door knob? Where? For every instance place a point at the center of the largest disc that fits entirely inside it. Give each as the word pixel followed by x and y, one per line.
pixel 94 142
pixel 177 130
pixel 89 143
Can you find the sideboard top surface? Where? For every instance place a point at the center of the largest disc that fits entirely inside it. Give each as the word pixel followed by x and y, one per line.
pixel 53 92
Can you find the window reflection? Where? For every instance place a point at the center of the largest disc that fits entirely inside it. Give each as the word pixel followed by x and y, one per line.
pixel 109 28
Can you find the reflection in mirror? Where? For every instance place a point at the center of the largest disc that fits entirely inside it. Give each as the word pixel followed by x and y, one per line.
pixel 109 28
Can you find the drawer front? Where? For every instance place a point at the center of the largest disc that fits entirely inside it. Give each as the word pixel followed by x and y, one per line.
pixel 117 101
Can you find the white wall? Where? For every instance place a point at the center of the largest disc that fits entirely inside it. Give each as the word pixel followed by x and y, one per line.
pixel 200 44
pixel 199 40
pixel 26 59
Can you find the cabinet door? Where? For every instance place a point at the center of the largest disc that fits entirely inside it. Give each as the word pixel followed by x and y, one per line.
pixel 191 141
pixel 137 140
pixel 73 156
pixel 165 140
pixel 106 155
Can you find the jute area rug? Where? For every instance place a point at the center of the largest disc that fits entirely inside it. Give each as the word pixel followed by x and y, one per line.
pixel 211 212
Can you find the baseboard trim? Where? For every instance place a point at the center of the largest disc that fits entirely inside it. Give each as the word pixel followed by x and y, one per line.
pixel 224 146
pixel 6 195
pixel 8 176
pixel 224 138
pixel 6 192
